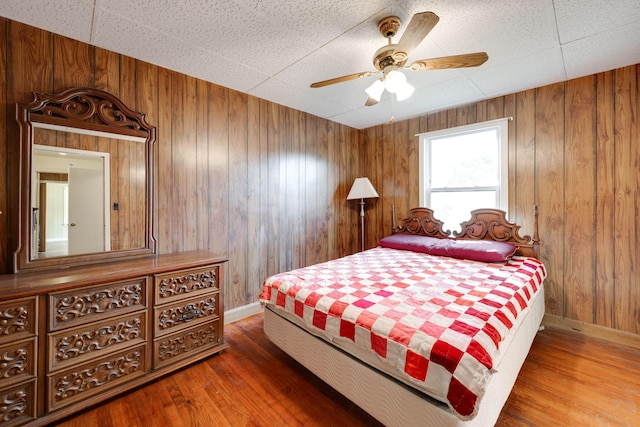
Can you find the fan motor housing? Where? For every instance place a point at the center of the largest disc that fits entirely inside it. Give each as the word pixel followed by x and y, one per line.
pixel 384 57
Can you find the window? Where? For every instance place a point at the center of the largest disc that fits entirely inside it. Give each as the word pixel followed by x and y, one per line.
pixel 462 169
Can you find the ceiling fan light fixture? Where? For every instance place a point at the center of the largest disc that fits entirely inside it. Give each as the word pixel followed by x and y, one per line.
pixel 404 92
pixel 394 81
pixel 375 90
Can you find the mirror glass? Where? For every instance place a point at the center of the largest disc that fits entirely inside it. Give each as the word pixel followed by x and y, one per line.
pixel 87 169
pixel 87 193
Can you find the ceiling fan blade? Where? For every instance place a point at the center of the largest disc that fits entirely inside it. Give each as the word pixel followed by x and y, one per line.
pixel 341 79
pixel 455 61
pixel 420 25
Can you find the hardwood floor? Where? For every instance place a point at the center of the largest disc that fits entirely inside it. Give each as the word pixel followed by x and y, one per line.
pixel 567 380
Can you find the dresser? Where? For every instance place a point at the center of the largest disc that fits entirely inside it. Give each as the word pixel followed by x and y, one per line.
pixel 71 338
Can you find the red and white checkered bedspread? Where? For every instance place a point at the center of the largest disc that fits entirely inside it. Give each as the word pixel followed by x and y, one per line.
pixel 438 321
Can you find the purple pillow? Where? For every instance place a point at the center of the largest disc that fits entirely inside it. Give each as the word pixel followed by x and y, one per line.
pixel 476 250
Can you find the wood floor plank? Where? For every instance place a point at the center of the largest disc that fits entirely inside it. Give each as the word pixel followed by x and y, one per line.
pixel 567 380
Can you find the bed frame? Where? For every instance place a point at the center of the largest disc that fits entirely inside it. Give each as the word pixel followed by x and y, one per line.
pixel 390 401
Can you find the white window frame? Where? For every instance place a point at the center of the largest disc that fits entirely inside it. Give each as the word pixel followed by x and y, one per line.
pixel 502 191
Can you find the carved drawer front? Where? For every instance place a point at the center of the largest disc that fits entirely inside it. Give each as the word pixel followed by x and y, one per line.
pixel 17 362
pixel 168 349
pixel 186 283
pixel 96 377
pixel 73 346
pixel 18 319
pixel 85 305
pixel 172 317
pixel 17 404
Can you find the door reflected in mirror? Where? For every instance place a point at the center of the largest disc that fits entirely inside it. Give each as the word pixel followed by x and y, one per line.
pixel 71 199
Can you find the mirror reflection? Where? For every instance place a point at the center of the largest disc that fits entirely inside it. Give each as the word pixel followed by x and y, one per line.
pixel 88 192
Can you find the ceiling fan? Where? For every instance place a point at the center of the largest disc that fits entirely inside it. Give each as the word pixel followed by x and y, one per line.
pixel 393 57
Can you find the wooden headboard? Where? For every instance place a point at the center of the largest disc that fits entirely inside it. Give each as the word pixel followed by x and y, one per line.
pixel 485 224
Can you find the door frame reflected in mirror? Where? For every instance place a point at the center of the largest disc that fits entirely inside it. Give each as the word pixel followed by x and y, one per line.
pixel 56 161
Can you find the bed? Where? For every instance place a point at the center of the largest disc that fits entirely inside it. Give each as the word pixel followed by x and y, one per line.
pixel 424 329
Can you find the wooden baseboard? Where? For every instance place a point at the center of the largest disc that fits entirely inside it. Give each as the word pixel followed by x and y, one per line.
pixel 595 331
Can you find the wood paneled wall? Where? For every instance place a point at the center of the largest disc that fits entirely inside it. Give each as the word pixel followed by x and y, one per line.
pixel 261 183
pixel 266 185
pixel 574 150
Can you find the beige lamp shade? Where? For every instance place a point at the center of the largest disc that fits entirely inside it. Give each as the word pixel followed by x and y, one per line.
pixel 362 189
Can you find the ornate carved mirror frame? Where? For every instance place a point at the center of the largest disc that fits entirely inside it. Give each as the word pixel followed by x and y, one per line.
pixel 84 111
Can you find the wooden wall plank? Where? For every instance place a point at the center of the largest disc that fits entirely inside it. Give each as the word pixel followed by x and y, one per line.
pixel 413 164
pixel 626 292
pixel 550 172
pixel 106 72
pixel 522 132
pixel 5 261
pixel 500 107
pixel 332 189
pixel 238 206
pixel 164 164
pixel 402 142
pixel 218 229
pixel 256 238
pixel 322 176
pixel 292 188
pixel 604 204
pixel 72 64
pixel 311 184
pixel 202 189
pixel 579 189
pixel 273 195
pixel 387 187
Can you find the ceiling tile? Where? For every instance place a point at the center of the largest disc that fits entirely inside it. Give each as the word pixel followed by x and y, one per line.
pixel 538 70
pixel 614 49
pixel 578 19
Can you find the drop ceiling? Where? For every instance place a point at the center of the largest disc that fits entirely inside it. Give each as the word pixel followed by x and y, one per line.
pixel 274 49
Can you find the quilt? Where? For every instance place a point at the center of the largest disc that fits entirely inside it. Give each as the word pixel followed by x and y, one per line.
pixel 437 321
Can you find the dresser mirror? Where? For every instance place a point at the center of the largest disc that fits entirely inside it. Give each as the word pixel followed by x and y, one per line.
pixel 86 180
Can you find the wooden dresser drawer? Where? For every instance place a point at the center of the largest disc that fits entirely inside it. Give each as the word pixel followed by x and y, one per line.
pixel 80 382
pixel 17 362
pixel 81 306
pixel 172 317
pixel 18 319
pixel 73 346
pixel 168 349
pixel 186 283
pixel 17 404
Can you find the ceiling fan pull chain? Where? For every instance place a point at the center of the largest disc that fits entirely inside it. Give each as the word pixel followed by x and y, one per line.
pixel 392 118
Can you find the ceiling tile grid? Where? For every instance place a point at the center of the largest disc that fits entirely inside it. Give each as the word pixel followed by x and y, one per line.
pixel 274 49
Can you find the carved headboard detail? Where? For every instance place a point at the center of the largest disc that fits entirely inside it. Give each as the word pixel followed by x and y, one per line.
pixel 421 221
pixel 485 224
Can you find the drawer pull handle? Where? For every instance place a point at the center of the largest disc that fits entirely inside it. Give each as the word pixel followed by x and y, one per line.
pixel 191 313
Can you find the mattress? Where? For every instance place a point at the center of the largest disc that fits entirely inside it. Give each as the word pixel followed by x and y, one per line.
pixel 438 325
pixel 384 396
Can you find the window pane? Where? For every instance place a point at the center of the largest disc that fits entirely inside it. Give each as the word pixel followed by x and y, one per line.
pixel 466 160
pixel 455 207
